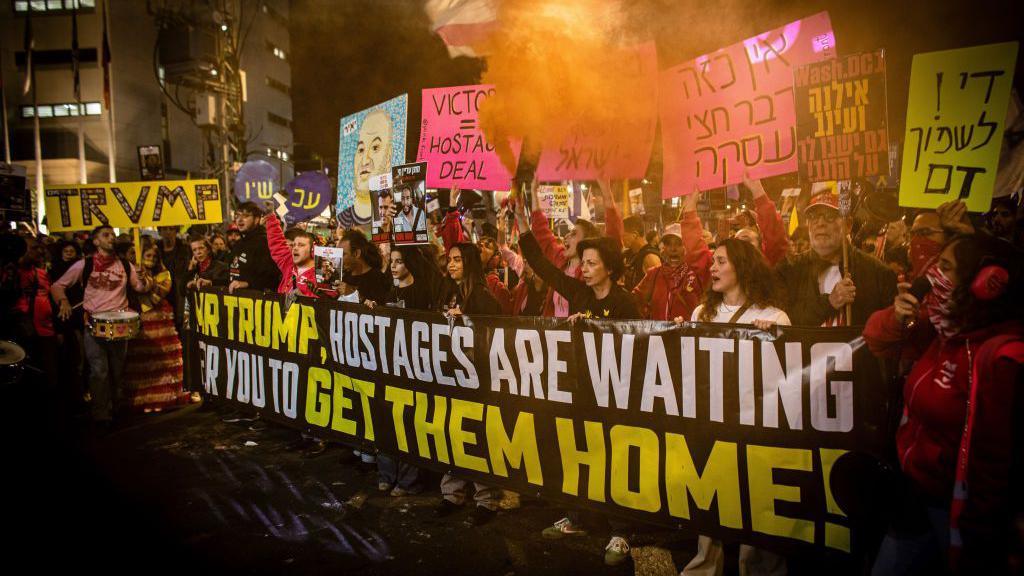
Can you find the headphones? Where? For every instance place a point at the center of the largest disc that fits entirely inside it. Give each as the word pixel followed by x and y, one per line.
pixel 990 282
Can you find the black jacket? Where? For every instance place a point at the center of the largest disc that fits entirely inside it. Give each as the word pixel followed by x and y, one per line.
pixel 251 262
pixel 480 300
pixel 217 273
pixel 617 305
pixel 798 277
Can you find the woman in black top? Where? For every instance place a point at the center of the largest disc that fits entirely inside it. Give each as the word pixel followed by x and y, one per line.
pixel 416 281
pixel 362 264
pixel 468 294
pixel 598 294
pixel 467 291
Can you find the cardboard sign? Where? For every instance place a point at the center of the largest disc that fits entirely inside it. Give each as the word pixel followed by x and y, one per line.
pixel 732 111
pixel 841 123
pixel 452 144
pixel 15 198
pixel 554 201
pixel 956 115
pixel 620 146
pixel 133 204
pixel 371 142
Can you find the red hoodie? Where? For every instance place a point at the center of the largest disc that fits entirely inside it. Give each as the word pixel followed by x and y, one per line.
pixel 282 256
pixel 935 396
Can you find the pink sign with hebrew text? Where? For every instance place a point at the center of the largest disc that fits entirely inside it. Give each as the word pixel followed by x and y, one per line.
pixel 732 111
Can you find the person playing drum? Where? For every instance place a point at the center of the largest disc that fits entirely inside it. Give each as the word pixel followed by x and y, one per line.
pixel 106 278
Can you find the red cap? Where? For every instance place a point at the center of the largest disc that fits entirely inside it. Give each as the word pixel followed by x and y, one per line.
pixel 233 228
pixel 824 199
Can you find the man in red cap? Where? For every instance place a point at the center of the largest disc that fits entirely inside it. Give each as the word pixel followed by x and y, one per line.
pixel 817 286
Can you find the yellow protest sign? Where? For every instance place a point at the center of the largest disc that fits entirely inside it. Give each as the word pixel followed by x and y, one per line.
pixel 956 114
pixel 133 204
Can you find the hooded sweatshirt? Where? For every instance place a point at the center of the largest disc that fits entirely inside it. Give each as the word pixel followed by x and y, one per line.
pixel 251 261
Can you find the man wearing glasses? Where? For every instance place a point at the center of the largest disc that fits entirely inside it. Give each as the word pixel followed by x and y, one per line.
pixel 818 288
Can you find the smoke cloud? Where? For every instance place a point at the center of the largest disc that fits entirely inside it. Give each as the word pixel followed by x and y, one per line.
pixel 560 66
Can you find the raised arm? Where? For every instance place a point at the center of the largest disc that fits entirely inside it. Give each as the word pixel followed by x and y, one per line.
pixel 698 256
pixel 774 241
pixel 278 245
pixel 612 216
pixel 553 276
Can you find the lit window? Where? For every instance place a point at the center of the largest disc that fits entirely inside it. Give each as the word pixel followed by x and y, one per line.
pixel 54 4
pixel 93 109
pixel 45 111
pixel 87 3
pixel 60 110
pixel 21 6
pixel 27 112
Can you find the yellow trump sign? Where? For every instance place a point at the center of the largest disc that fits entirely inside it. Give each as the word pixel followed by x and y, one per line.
pixel 133 205
pixel 955 120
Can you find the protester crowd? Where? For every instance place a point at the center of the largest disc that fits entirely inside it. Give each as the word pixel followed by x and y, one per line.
pixel 938 293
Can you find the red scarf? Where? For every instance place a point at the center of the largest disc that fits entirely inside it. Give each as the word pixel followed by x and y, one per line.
pixel 101 261
pixel 204 265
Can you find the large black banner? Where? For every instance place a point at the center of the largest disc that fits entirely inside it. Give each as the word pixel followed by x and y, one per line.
pixel 728 431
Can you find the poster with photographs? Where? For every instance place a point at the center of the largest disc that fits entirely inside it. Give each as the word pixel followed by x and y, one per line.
pixel 151 163
pixel 327 260
pixel 409 191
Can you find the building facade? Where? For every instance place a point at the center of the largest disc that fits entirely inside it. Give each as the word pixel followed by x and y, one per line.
pixel 182 110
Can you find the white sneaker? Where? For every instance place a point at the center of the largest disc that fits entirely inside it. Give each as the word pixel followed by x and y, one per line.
pixel 616 552
pixel 562 528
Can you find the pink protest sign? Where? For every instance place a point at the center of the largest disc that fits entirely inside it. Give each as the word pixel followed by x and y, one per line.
pixel 452 144
pixel 732 111
pixel 618 146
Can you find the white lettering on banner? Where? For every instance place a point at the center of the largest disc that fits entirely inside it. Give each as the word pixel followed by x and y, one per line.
pixel 420 358
pixel 603 368
pixel 382 323
pixel 209 366
pixel 501 366
pixel 462 338
pixel 716 347
pixel 440 356
pixel 657 379
pixel 368 358
pixel 242 390
pixel 822 354
pixel 687 358
pixel 231 354
pixel 787 386
pixel 401 351
pixel 531 363
pixel 557 366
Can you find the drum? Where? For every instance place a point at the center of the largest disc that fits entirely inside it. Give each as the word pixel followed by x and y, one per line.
pixel 117 325
pixel 12 362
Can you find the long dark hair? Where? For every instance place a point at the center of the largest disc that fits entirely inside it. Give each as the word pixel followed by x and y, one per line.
pixel 752 274
pixel 368 252
pixel 424 271
pixel 974 252
pixel 473 276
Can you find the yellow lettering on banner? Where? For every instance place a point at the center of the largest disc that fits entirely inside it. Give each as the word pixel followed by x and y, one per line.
pixel 211 313
pixel 761 461
pixel 720 477
pixel 318 401
pixel 648 496
pixel 262 318
pixel 593 457
pixel 400 399
pixel 286 328
pixel 365 390
pixel 341 403
pixel 308 330
pixel 519 450
pixel 230 303
pixel 836 536
pixel 245 321
pixel 464 409
pixel 433 428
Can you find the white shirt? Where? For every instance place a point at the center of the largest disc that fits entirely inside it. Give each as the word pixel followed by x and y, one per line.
pixel 405 224
pixel 725 312
pixel 828 279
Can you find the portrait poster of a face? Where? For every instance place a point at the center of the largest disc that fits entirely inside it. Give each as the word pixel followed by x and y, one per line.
pixel 372 141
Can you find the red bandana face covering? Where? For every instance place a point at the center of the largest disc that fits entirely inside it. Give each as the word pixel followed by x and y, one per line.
pixel 937 303
pixel 923 251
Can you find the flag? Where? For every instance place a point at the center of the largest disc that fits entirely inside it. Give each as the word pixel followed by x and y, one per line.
pixel 794 221
pixel 75 65
pixel 106 59
pixel 463 25
pixel 30 44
